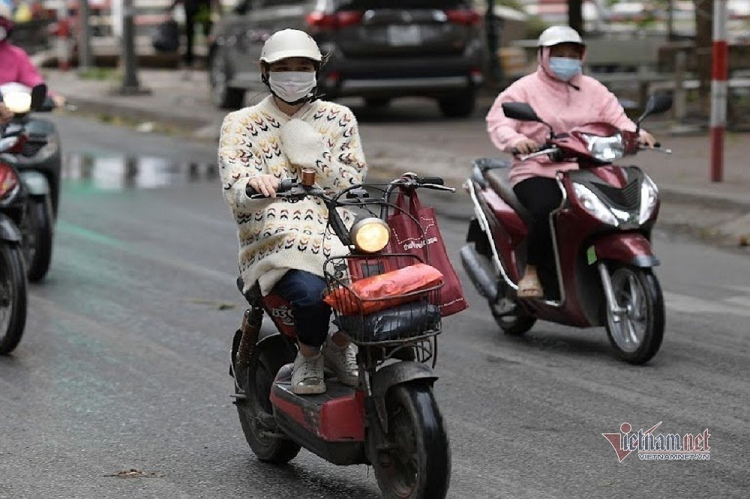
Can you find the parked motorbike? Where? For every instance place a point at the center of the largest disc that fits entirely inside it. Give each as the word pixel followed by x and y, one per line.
pixel 391 419
pixel 37 162
pixel 603 269
pixel 13 201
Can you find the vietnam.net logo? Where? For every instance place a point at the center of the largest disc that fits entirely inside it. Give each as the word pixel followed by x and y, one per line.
pixel 652 446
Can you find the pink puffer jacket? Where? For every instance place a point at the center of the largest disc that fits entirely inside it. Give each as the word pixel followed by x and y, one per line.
pixel 16 66
pixel 562 105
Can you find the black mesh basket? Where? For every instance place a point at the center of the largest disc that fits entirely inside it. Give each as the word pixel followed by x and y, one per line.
pixel 409 316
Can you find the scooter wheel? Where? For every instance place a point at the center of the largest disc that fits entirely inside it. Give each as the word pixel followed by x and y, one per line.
pixel 12 297
pixel 412 460
pixel 636 335
pixel 39 239
pixel 516 323
pixel 256 412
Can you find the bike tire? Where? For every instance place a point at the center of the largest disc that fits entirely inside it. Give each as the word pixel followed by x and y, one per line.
pixel 13 299
pixel 644 282
pixel 43 226
pixel 256 408
pixel 416 433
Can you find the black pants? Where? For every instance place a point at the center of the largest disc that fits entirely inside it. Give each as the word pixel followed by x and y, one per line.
pixel 540 195
pixel 190 22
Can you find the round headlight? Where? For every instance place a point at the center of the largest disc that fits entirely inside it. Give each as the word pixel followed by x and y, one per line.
pixel 17 102
pixel 370 235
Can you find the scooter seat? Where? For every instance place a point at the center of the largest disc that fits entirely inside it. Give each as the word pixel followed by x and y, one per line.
pixel 498 176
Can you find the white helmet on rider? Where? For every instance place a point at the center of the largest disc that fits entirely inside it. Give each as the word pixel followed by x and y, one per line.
pixel 290 43
pixel 556 35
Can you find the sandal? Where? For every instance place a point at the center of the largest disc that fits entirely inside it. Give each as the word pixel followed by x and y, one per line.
pixel 530 287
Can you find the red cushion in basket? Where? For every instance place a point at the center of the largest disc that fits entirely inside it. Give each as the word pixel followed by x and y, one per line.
pixel 373 292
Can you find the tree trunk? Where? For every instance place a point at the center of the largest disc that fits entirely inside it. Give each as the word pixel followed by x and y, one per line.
pixel 575 15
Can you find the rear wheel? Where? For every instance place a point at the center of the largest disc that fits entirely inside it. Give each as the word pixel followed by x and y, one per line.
pixel 459 105
pixel 637 333
pixel 38 235
pixel 12 297
pixel 413 459
pixel 377 102
pixel 256 411
pixel 222 95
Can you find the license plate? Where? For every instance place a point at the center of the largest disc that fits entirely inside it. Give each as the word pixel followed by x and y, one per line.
pixel 399 36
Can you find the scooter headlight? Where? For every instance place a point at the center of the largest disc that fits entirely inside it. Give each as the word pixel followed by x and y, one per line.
pixel 370 234
pixel 649 198
pixel 17 102
pixel 592 204
pixel 605 148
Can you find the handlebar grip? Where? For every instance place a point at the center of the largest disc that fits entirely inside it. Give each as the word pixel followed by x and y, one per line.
pixel 515 151
pixel 657 144
pixel 431 180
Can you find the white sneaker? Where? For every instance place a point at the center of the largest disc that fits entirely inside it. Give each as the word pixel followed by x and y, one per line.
pixel 342 361
pixel 307 375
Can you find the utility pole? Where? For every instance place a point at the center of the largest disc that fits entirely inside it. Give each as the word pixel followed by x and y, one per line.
pixel 84 42
pixel 130 85
pixel 719 89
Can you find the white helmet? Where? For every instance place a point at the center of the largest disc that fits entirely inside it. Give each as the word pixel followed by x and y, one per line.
pixel 554 35
pixel 289 43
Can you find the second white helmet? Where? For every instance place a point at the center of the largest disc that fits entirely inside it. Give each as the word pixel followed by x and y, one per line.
pixel 290 43
pixel 555 35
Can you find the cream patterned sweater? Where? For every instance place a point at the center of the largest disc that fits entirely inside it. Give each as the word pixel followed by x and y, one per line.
pixel 276 235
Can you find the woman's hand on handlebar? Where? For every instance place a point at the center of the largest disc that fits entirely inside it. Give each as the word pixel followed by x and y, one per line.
pixel 526 146
pixel 5 114
pixel 646 139
pixel 264 184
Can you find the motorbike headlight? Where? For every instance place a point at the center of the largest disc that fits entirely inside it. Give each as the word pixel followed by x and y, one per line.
pixel 370 235
pixel 17 102
pixel 605 148
pixel 592 204
pixel 649 197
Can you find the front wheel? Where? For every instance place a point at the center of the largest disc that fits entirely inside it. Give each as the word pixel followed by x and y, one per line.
pixel 256 411
pixel 636 333
pixel 413 459
pixel 12 296
pixel 38 238
pixel 459 105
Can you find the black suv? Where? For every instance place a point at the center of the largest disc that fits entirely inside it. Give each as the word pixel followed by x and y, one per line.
pixel 375 49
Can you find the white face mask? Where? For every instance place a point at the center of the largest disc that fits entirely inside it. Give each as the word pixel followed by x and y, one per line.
pixel 291 86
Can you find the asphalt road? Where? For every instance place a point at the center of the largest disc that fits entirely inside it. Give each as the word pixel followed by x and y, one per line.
pixel 124 362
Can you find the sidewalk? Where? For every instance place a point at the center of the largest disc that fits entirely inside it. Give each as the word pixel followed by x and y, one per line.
pixel 690 200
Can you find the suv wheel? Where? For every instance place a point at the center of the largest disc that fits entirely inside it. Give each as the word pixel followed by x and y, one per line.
pixel 222 95
pixel 377 102
pixel 458 105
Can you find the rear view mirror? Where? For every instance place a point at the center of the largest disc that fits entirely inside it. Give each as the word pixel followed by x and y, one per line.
pixel 38 96
pixel 520 111
pixel 656 104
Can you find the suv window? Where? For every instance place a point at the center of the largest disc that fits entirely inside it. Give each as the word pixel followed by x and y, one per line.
pixel 398 4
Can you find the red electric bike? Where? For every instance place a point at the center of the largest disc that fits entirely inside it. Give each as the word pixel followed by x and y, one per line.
pixel 391 419
pixel 603 268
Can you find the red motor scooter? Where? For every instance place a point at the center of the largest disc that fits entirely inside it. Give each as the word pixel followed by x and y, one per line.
pixel 391 419
pixel 603 268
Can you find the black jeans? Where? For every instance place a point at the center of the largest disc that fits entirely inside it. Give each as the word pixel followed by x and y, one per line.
pixel 304 292
pixel 539 195
pixel 191 19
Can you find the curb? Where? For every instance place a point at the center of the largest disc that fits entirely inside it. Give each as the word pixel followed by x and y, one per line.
pixel 194 124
